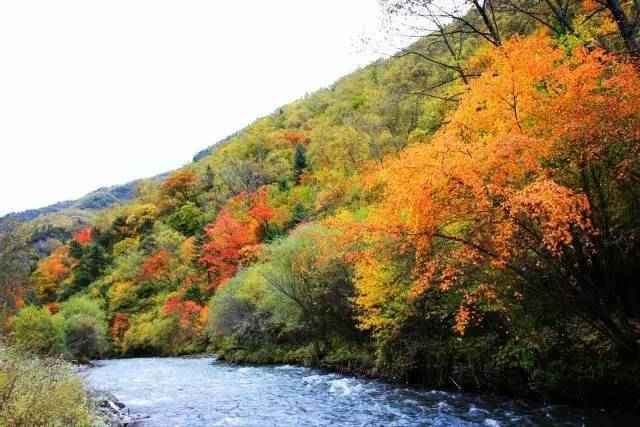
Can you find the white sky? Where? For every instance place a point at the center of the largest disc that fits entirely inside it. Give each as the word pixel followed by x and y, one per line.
pixel 96 93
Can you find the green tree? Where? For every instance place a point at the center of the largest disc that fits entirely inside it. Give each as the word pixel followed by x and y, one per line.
pixel 85 327
pixel 75 249
pixel 307 270
pixel 187 219
pixel 193 293
pixel 37 331
pixel 298 214
pixel 83 337
pixel 14 271
pixel 91 266
pixel 299 163
pixel 209 178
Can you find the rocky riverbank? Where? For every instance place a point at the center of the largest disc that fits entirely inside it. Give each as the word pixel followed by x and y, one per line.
pixel 111 412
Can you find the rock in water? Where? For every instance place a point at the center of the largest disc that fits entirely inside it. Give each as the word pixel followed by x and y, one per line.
pixel 111 412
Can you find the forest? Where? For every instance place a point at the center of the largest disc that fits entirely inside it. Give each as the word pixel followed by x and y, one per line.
pixel 463 214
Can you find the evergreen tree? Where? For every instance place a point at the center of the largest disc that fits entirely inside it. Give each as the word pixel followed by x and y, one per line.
pixel 208 178
pixel 194 294
pixel 92 265
pixel 298 214
pixel 75 249
pixel 299 163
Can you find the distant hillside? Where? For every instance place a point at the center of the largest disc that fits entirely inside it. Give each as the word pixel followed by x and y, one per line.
pixel 99 199
pixel 210 149
pixel 103 197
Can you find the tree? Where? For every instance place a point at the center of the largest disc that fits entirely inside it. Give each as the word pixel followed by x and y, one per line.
pixel 243 176
pixel 36 330
pixel 180 185
pixel 187 219
pixel 307 270
pixel 85 327
pixel 298 214
pixel 299 163
pixel 51 274
pixel 119 327
pixel 91 266
pixel 209 178
pixel 238 227
pixel 14 271
pixel 155 266
pixel 83 236
pixel 627 18
pixel 295 138
pixel 482 18
pixel 191 317
pixel 36 391
pixel 447 29
pixel 527 189
pixel 83 338
pixel 139 220
pixel 226 237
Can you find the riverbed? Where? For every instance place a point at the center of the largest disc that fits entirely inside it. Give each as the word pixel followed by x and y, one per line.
pixel 199 392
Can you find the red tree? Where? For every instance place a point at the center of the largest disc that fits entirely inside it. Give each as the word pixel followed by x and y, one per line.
pixel 83 236
pixel 239 225
pixel 155 265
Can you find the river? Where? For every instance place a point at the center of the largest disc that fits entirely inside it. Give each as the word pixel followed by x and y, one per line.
pixel 199 392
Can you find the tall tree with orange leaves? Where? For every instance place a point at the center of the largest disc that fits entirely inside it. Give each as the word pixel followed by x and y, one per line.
pixel 532 184
pixel 51 272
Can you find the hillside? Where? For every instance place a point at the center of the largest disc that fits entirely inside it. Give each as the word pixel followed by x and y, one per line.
pixel 82 210
pixel 463 214
pixel 101 198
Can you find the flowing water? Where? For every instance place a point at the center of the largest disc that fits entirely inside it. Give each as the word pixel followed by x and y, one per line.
pixel 203 392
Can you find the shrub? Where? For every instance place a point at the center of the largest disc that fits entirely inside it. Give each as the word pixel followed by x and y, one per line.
pixel 40 392
pixel 84 337
pixel 85 328
pixel 37 331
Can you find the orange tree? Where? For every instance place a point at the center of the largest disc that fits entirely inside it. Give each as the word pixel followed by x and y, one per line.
pixel 531 186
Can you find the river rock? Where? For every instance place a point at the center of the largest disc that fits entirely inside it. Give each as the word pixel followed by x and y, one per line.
pixel 111 412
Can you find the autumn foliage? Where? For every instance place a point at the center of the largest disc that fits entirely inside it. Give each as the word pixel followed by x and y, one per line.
pixel 295 137
pixel 155 265
pixel 51 272
pixel 180 183
pixel 83 236
pixel 234 234
pixel 473 224
pixel 119 326
pixel 191 316
pixel 506 191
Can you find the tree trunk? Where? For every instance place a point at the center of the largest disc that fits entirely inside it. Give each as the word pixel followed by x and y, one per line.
pixel 627 28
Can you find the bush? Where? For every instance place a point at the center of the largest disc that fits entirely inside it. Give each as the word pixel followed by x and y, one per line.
pixel 232 308
pixel 298 295
pixel 85 328
pixel 84 337
pixel 82 305
pixel 150 334
pixel 307 270
pixel 40 392
pixel 187 219
pixel 37 331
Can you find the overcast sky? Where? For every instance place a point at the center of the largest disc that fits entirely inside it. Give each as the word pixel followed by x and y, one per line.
pixel 96 93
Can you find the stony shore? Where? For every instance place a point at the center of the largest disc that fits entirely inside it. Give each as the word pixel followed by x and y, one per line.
pixel 113 413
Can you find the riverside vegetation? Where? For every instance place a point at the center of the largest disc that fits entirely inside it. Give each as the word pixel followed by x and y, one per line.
pixel 463 214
